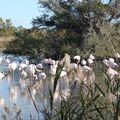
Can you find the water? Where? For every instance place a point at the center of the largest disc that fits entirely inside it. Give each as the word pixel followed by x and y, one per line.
pixel 13 92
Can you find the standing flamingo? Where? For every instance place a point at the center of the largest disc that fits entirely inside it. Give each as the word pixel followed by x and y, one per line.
pixel 12 67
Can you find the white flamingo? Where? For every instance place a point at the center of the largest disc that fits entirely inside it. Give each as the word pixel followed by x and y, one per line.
pixel 22 66
pixel 30 70
pixel 105 62
pixel 41 76
pixel 39 66
pixel 85 67
pixel 12 67
pixel 53 67
pixel 83 62
pixel 90 62
pixel 45 61
pixel 110 63
pixel 2 75
pixel 111 72
pixel 77 57
pixel 91 57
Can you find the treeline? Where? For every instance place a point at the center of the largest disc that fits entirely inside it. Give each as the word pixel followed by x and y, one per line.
pixel 6 27
pixel 74 27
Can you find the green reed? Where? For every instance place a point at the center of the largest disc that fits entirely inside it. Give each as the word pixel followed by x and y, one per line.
pixel 100 102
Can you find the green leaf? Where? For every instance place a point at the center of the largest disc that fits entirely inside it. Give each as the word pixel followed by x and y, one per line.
pixel 99 111
pixel 100 89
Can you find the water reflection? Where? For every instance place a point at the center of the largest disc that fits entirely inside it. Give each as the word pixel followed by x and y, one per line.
pixel 13 94
pixel 18 88
pixel 13 90
pixel 2 101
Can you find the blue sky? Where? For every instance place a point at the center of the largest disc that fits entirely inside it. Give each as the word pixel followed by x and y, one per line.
pixel 20 12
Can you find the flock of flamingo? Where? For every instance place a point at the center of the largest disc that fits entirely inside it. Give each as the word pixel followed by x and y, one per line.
pixel 75 70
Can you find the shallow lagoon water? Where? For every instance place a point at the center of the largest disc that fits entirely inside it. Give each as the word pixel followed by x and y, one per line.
pixel 21 96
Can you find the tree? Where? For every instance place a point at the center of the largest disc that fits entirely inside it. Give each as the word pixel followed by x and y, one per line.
pixel 77 19
pixel 74 14
pixel 8 23
pixel 2 24
pixel 74 27
pixel 6 28
pixel 9 27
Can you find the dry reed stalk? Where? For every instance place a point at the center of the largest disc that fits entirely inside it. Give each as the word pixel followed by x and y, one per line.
pixel 68 66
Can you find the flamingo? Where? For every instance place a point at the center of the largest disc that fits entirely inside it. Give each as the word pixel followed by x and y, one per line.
pixel 41 76
pixel 53 69
pixel 105 62
pixel 63 74
pixel 2 75
pixel 77 59
pixel 111 72
pixel 85 67
pixel 62 90
pixel 90 62
pixel 45 61
pixel 91 57
pixel 22 66
pixel 12 67
pixel 23 74
pixel 30 70
pixel 39 66
pixel 110 63
pixel 83 62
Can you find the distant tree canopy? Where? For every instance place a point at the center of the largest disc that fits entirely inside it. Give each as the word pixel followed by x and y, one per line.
pixel 6 27
pixel 77 22
pixel 78 16
pixel 73 27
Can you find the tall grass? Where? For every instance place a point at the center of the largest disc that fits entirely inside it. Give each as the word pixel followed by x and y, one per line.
pixel 101 102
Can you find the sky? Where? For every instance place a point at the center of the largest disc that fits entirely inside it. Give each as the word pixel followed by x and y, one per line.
pixel 21 12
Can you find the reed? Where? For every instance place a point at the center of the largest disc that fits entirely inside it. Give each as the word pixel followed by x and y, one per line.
pixel 97 101
pixel 101 102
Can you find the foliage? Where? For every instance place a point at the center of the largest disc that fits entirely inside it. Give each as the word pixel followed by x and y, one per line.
pixel 25 42
pixel 6 28
pixel 101 102
pixel 86 27
pixel 104 45
pixel 73 27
